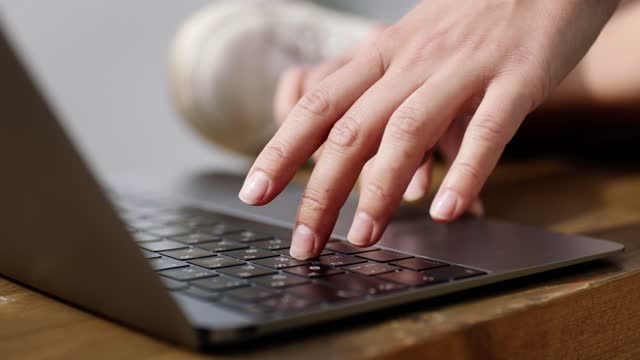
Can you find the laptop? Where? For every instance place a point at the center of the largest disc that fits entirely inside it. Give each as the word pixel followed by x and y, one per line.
pixel 190 264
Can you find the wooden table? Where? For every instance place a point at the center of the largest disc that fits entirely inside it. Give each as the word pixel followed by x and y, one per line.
pixel 587 311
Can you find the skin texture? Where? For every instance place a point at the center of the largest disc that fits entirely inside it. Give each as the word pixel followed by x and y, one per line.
pixel 461 84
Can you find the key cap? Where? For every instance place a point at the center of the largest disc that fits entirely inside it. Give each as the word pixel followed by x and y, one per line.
pixel 247 236
pixel 418 264
pixel 246 271
pixel 288 302
pixel 362 284
pixel 169 230
pixel 196 221
pixel 280 262
pixel 339 260
pixel 165 263
pixel 412 278
pixel 219 283
pixel 216 262
pixel 273 244
pixel 383 255
pixel 142 223
pixel 188 253
pixel 371 268
pixel 219 229
pixel 454 272
pixel 321 292
pixel 161 245
pixel 187 273
pixel 347 248
pixel 201 293
pixel 286 252
pixel 251 293
pixel 149 254
pixel 196 238
pixel 279 280
pixel 313 270
pixel 173 285
pixel 222 245
pixel 140 236
pixel 251 254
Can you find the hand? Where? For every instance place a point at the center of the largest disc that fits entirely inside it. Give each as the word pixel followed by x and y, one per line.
pixel 298 80
pixel 396 98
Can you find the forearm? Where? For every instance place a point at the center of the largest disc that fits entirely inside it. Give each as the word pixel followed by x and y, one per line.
pixel 608 76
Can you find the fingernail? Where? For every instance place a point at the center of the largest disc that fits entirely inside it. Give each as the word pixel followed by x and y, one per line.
pixel 444 205
pixel 414 191
pixel 361 229
pixel 302 243
pixel 254 188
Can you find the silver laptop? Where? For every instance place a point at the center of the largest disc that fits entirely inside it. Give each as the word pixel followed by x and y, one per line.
pixel 186 262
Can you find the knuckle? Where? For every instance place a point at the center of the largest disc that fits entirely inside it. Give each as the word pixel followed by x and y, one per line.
pixel 314 201
pixel 537 77
pixel 469 172
pixel 276 152
pixel 405 124
pixel 380 192
pixel 488 132
pixel 345 132
pixel 315 103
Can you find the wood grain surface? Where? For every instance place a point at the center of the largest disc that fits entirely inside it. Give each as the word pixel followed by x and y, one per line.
pixel 589 311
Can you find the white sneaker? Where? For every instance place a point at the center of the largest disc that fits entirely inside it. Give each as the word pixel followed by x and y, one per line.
pixel 226 60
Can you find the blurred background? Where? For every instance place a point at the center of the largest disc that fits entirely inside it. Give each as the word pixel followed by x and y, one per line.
pixel 104 66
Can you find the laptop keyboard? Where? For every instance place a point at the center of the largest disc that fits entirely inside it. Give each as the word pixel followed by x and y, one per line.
pixel 231 262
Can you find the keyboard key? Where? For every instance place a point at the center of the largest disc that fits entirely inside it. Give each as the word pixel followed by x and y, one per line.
pixel 454 272
pixel 246 271
pixel 216 262
pixel 196 238
pixel 286 252
pixel 362 284
pixel 173 285
pixel 219 229
pixel 141 224
pixel 279 280
pixel 219 283
pixel 412 278
pixel 383 255
pixel 169 230
pixel 149 254
pixel 287 302
pixel 251 293
pixel 371 268
pixel 339 260
pixel 247 236
pixel 273 244
pixel 313 270
pixel 201 293
pixel 347 248
pixel 418 264
pixel 281 262
pixel 196 221
pixel 165 263
pixel 187 273
pixel 161 245
pixel 222 245
pixel 140 236
pixel 251 254
pixel 320 292
pixel 188 253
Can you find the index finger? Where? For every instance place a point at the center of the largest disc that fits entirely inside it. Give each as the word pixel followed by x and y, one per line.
pixel 306 127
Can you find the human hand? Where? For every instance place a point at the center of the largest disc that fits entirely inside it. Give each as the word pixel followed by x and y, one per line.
pixel 397 97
